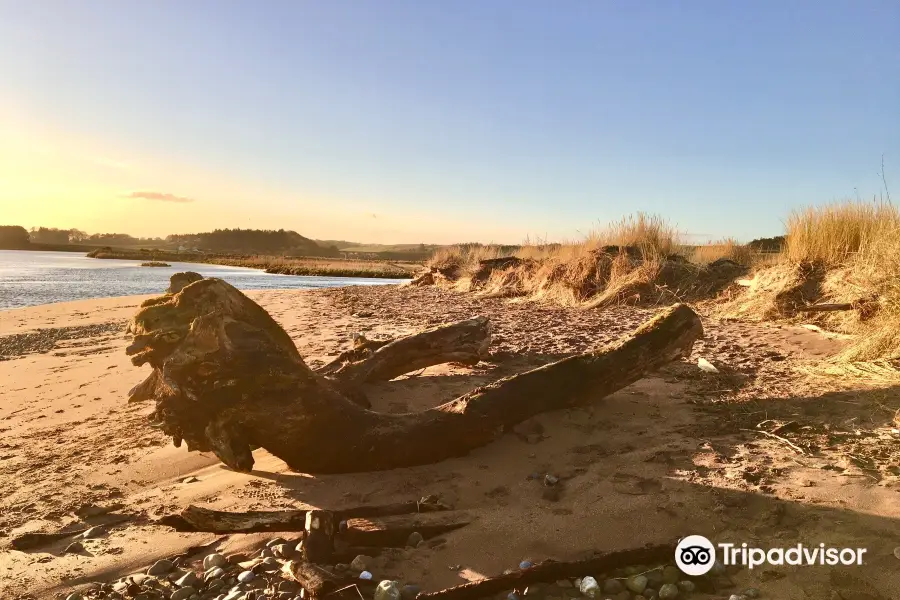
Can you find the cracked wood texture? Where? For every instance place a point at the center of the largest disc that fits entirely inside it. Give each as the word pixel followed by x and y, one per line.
pixel 227 378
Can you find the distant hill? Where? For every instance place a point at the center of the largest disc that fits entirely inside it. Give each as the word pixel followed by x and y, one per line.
pixel 252 241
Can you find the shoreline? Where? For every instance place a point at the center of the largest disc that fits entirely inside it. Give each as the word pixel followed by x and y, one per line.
pixel 318 266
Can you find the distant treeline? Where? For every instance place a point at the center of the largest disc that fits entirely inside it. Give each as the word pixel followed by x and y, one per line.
pixel 772 244
pixel 252 241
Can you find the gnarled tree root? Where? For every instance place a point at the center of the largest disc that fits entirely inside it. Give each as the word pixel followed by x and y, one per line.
pixel 227 378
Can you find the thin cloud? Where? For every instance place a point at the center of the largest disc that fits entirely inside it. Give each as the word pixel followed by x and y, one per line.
pixel 160 196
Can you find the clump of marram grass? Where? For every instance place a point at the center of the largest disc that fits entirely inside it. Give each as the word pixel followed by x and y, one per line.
pixel 836 233
pixel 627 261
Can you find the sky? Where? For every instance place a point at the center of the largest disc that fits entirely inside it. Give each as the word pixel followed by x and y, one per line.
pixel 393 121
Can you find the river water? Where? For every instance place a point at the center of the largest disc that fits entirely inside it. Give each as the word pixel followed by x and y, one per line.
pixel 28 278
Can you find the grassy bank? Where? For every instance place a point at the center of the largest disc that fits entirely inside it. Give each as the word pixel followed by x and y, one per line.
pixel 322 267
pixel 845 254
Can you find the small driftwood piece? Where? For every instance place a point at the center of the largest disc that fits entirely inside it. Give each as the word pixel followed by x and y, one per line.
pixel 197 518
pixel 315 579
pixel 828 307
pixel 394 531
pixel 227 378
pixel 318 545
pixel 550 571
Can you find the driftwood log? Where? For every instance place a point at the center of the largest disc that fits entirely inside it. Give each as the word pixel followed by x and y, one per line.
pixel 227 378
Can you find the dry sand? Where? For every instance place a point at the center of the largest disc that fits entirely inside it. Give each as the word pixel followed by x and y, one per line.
pixel 666 457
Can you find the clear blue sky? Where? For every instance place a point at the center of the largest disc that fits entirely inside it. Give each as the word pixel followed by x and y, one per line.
pixel 406 121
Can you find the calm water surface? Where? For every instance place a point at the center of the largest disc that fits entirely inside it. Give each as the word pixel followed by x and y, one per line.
pixel 28 278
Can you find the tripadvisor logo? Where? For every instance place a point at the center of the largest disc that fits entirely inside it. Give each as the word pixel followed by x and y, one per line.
pixel 695 555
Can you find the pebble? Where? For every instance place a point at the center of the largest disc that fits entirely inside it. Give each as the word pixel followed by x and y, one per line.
pixel 526 564
pixel 671 574
pixel 189 579
pixel 751 593
pixel 897 552
pixel 365 575
pixel 687 586
pixel 288 587
pixel 637 583
pixel 550 480
pixel 361 562
pixel 612 586
pixel 414 539
pixel 215 585
pixel 387 590
pixel 668 591
pixel 589 587
pixel 276 542
pixel 214 560
pixel 214 573
pixel 246 576
pixel 183 593
pixel 161 567
pixel 409 591
pixel 190 479
pixel 75 596
pixel 283 550
pixel 740 597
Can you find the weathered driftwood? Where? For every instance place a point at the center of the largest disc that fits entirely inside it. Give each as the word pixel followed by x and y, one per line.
pixel 465 342
pixel 315 579
pixel 227 378
pixel 828 307
pixel 394 531
pixel 197 518
pixel 550 571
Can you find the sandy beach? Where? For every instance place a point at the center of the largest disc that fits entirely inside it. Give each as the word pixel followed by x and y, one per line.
pixel 671 455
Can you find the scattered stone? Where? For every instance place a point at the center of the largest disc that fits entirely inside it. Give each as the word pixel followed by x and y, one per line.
pixel 361 563
pixel 234 595
pixel 751 593
pixel 534 590
pixel 266 553
pixel 214 560
pixel 526 564
pixel 160 567
pixel 671 574
pixel 897 552
pixel 190 479
pixel 365 575
pixel 120 586
pixel 183 593
pixel 214 573
pixel 189 579
pixel 414 539
pixel 340 567
pixel 612 586
pixel 299 547
pixel 276 542
pixel 75 596
pixel 550 480
pixel 410 591
pixel 74 548
pixel 589 587
pixel 636 583
pixel 668 591
pixel 387 590
pixel 215 585
pixel 741 597
pixel 687 586
pixel 288 587
pixel 283 551
pixel 246 576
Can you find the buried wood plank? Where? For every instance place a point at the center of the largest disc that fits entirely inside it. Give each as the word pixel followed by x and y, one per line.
pixel 196 518
pixel 394 531
pixel 550 571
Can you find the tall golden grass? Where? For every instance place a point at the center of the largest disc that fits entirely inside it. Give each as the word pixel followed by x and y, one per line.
pixel 838 233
